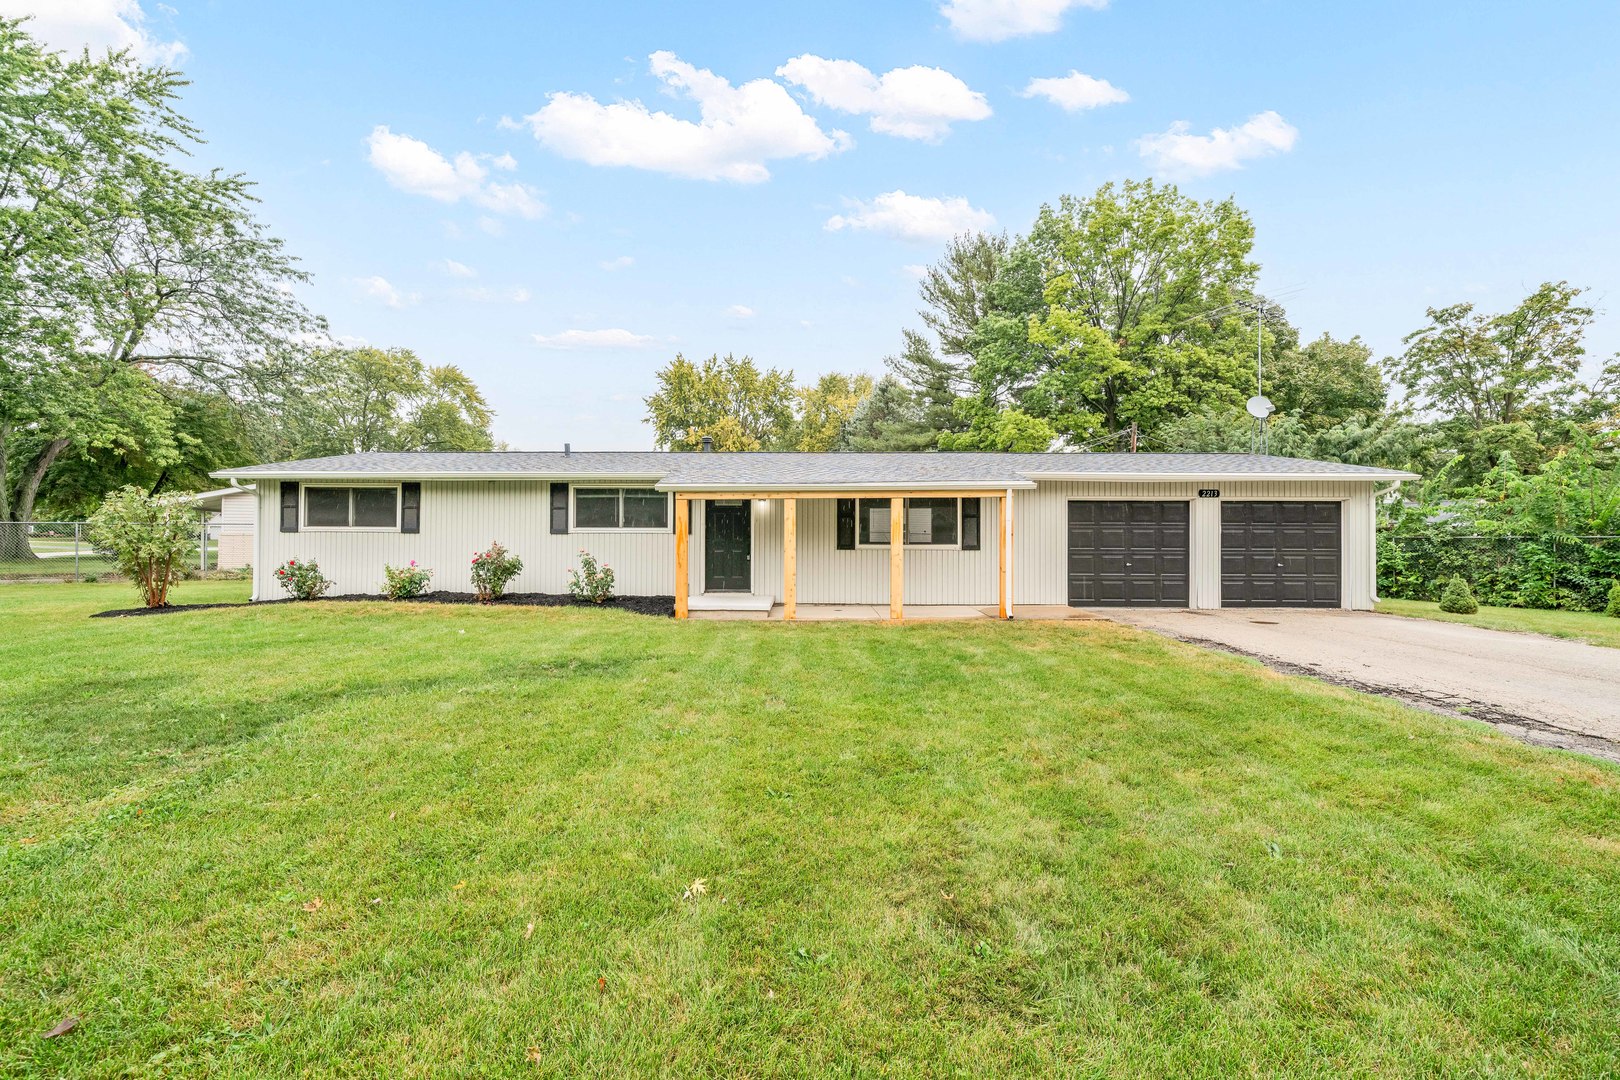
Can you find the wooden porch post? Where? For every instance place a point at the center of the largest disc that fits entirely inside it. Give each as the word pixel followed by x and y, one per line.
pixel 681 505
pixel 1007 547
pixel 790 559
pixel 897 557
pixel 1001 543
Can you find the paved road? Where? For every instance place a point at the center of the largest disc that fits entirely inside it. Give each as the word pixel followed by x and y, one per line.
pixel 1545 690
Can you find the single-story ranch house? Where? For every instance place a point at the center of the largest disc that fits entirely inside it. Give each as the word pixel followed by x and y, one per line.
pixel 721 530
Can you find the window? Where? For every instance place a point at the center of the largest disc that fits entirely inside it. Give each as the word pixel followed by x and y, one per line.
pixel 927 522
pixel 620 508
pixel 351 507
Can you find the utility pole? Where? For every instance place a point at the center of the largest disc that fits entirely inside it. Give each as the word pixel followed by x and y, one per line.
pixel 1133 436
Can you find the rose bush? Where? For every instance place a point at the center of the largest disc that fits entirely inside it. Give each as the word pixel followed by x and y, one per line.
pixel 492 569
pixel 405 582
pixel 302 580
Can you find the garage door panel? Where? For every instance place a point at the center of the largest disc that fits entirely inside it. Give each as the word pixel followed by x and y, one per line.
pixel 1128 552
pixel 1280 554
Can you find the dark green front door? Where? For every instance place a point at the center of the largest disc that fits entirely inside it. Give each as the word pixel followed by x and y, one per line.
pixel 728 546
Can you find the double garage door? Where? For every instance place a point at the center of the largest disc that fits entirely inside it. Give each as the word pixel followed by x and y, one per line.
pixel 1135 554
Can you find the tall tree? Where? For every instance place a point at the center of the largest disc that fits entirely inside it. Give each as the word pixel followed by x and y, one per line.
pixel 120 273
pixel 367 399
pixel 826 407
pixel 1485 369
pixel 729 399
pixel 1326 382
pixel 1140 283
pixel 891 418
pixel 960 292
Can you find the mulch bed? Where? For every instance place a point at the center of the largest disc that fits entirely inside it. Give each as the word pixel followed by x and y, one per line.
pixel 640 605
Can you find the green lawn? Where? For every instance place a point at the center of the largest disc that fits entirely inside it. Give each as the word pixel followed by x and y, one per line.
pixel 363 840
pixel 1589 626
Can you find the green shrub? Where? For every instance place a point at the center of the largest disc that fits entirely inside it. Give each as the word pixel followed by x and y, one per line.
pixel 1613 607
pixel 152 538
pixel 590 582
pixel 1458 599
pixel 492 569
pixel 302 580
pixel 405 582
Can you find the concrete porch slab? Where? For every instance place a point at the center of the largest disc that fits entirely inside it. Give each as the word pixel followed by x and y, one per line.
pixel 880 612
pixel 729 602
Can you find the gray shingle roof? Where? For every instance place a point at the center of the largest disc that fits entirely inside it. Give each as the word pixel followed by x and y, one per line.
pixel 718 471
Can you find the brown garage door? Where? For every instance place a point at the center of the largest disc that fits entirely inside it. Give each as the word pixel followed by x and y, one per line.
pixel 1280 554
pixel 1127 554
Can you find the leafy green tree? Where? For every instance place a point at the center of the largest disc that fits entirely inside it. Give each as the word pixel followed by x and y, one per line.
pixel 1326 382
pixel 1485 370
pixel 122 276
pixel 1383 440
pixel 366 399
pixel 729 399
pixel 1140 325
pixel 827 406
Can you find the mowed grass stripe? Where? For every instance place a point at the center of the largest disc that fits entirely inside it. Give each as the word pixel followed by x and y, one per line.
pixel 934 849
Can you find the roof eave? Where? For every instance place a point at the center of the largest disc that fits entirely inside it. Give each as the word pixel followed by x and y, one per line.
pixel 420 474
pixel 1228 477
pixel 855 487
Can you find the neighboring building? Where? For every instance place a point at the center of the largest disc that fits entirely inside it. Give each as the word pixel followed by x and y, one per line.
pixel 1178 530
pixel 233 513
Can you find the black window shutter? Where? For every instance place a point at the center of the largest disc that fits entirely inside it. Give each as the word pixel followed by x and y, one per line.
pixel 559 508
pixel 410 507
pixel 970 524
pixel 846 524
pixel 289 506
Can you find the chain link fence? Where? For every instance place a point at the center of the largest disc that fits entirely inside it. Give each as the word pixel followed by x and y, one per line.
pixel 1574 573
pixel 61 551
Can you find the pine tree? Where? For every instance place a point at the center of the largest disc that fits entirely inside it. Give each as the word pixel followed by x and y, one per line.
pixel 1458 599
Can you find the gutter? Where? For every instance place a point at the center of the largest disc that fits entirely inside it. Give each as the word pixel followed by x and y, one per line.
pixel 1148 477
pixel 843 488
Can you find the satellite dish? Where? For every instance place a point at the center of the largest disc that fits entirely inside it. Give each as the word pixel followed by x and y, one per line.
pixel 1260 407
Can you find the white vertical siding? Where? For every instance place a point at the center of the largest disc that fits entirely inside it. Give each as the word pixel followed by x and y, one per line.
pixel 461 517
pixel 830 576
pixel 1041 542
pixel 458 519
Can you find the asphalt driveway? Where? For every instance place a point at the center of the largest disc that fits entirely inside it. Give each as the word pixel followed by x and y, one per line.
pixel 1544 690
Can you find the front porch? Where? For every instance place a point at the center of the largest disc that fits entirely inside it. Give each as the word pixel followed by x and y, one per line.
pixel 880 613
pixel 753 604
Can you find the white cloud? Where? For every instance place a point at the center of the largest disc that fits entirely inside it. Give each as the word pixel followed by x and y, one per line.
pixel 998 20
pixel 72 25
pixel 1179 153
pixel 384 291
pixel 912 103
pixel 480 294
pixel 460 270
pixel 741 128
pixel 1075 91
pixel 593 339
pixel 914 217
pixel 916 271
pixel 413 166
pixel 739 311
pixel 623 262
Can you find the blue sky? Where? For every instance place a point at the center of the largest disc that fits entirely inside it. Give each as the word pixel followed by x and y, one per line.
pixel 475 182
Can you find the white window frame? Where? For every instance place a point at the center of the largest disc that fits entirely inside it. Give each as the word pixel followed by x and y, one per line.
pixel 619 530
pixel 303 508
pixel 908 544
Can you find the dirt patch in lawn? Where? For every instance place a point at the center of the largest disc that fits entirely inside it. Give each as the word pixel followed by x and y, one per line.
pixel 640 605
